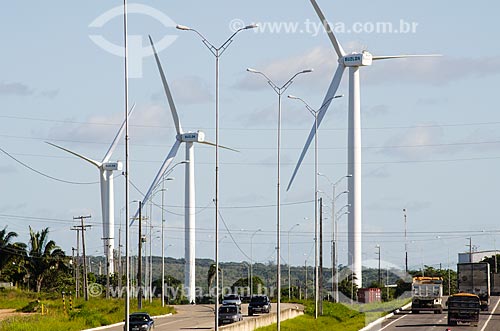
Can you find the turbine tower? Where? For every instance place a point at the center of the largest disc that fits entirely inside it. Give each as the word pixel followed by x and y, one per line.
pixel 189 138
pixel 106 169
pixel 352 61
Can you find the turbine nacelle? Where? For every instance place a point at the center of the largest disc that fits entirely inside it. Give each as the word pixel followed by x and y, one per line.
pixel 113 166
pixel 195 137
pixel 358 59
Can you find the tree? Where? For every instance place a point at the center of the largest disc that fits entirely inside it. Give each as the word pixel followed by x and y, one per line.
pixel 211 274
pixel 241 285
pixel 44 257
pixel 493 260
pixel 9 250
pixel 347 285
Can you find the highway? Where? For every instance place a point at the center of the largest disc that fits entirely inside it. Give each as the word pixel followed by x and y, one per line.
pixel 428 321
pixel 192 317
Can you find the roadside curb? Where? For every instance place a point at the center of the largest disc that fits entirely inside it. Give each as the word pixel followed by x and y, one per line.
pixel 372 324
pixel 121 323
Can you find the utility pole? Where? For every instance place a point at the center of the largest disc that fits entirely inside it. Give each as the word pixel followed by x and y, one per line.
pixel 406 244
pixel 83 228
pixel 120 258
pixel 139 261
pixel 305 286
pixel 75 270
pixel 77 285
pixel 378 253
pixel 108 246
pixel 320 256
pixel 470 249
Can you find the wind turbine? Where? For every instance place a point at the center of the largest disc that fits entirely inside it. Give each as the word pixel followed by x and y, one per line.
pixel 352 61
pixel 106 169
pixel 189 138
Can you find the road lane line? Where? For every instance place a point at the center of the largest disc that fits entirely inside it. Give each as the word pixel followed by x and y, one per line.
pixel 491 315
pixel 394 322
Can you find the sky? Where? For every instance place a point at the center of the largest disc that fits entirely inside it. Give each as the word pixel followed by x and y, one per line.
pixel 430 126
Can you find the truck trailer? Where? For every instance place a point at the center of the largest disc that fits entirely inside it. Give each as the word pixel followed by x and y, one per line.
pixel 474 278
pixel 427 294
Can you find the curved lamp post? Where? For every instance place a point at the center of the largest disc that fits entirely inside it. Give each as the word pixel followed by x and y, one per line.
pixel 315 113
pixel 217 52
pixel 279 90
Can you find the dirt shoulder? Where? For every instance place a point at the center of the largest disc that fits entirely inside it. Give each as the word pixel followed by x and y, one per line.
pixel 5 313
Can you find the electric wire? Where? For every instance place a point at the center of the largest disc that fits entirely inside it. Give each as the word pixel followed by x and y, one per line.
pixel 43 174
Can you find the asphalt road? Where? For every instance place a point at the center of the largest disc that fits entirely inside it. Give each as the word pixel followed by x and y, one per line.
pixel 199 317
pixel 428 321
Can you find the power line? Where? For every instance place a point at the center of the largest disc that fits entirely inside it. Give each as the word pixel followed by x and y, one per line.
pixel 257 129
pixel 43 174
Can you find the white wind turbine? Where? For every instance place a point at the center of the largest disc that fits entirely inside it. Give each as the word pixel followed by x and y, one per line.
pixel 106 169
pixel 189 138
pixel 353 61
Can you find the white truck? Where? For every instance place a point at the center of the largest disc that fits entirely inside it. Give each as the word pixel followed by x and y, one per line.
pixel 474 278
pixel 427 294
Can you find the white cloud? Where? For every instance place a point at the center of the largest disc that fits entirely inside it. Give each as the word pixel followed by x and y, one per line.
pixel 375 111
pixel 380 172
pixel 432 70
pixel 187 90
pixel 428 70
pixel 23 90
pixel 321 59
pixel 51 94
pixel 146 123
pixel 15 88
pixel 417 143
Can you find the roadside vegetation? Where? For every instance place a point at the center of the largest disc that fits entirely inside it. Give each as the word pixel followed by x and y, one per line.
pixel 337 316
pixel 59 315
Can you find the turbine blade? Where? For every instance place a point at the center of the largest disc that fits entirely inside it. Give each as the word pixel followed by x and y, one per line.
pixel 224 147
pixel 329 31
pixel 386 57
pixel 117 138
pixel 161 172
pixel 167 90
pixel 96 163
pixel 330 94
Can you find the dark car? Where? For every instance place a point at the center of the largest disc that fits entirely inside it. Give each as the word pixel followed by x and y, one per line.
pixel 229 314
pixel 259 304
pixel 140 322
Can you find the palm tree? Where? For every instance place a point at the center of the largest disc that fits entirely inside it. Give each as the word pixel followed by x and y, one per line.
pixel 9 250
pixel 44 256
pixel 211 274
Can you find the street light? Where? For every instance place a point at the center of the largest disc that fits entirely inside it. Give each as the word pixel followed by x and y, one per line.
pixel 337 216
pixel 315 113
pixel 248 273
pixel 289 283
pixel 251 261
pixel 279 90
pixel 217 52
pixel 162 190
pixel 334 224
pixel 163 240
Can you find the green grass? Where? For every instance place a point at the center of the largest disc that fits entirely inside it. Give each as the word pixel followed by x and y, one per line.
pixel 336 317
pixel 85 314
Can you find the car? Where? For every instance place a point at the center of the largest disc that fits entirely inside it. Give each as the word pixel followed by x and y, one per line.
pixel 232 299
pixel 140 322
pixel 259 304
pixel 229 314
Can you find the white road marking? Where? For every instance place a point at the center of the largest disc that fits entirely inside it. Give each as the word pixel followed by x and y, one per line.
pixel 489 318
pixel 395 322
